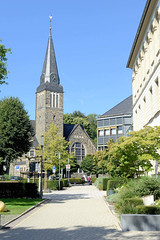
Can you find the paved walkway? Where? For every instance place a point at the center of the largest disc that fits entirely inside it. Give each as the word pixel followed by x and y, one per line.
pixel 78 213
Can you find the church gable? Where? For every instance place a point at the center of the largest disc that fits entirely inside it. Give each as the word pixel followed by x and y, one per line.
pixel 81 144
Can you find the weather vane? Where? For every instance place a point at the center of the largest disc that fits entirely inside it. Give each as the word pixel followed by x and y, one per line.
pixel 50 17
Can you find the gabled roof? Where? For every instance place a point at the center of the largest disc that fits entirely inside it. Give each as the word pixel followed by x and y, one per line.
pixel 50 78
pixel 124 107
pixel 70 128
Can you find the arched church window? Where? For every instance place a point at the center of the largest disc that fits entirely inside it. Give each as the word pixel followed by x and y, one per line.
pixel 79 151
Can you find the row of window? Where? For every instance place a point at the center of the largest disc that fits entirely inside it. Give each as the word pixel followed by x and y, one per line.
pixel 114 121
pixel 54 100
pixel 110 131
pixel 149 102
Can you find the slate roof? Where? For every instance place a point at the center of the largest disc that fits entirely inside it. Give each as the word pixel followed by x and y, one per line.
pixel 50 78
pixel 124 107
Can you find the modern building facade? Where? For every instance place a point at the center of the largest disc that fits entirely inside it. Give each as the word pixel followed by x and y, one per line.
pixel 115 123
pixel 144 60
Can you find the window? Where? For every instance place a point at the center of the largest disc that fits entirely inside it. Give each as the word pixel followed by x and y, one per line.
pixel 107 132
pixel 112 121
pixel 113 131
pixel 119 130
pixel 106 122
pixel 100 133
pixel 100 123
pixel 79 151
pixel 119 120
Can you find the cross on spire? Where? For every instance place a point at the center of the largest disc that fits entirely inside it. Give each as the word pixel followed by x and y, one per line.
pixel 50 17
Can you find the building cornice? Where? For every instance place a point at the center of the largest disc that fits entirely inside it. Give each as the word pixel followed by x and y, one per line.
pixel 145 19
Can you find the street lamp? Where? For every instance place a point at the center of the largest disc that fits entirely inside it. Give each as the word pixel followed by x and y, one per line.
pixel 59 156
pixel 40 178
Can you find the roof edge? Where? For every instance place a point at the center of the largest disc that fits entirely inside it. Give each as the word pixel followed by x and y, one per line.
pixel 138 31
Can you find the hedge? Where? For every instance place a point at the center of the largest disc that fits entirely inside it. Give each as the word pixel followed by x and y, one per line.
pixel 93 179
pixel 54 184
pixel 128 205
pixel 101 183
pixel 18 190
pixel 148 209
pixel 65 182
pixel 114 183
pixel 75 180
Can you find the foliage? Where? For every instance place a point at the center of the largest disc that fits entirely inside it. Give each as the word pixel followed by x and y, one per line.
pixel 15 130
pixel 93 179
pixel 130 156
pixel 100 161
pixel 88 122
pixel 54 144
pixel 146 186
pixel 112 184
pixel 136 188
pixel 75 180
pixel 18 190
pixel 101 183
pixel 148 209
pixel 65 182
pixel 87 164
pixel 130 205
pixel 3 63
pixel 54 185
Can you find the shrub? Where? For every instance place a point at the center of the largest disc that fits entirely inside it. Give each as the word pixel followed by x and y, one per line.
pixel 128 205
pixel 114 183
pixel 148 209
pixel 30 190
pixel 113 198
pixel 101 183
pixel 75 180
pixel 54 185
pixel 93 179
pixel 65 182
pixel 18 190
pixel 147 186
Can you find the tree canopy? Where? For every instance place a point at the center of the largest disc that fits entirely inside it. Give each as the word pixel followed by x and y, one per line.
pixel 89 122
pixel 54 144
pixel 3 63
pixel 131 156
pixel 15 130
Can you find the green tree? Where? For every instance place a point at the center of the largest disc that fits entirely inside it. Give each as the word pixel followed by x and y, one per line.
pixel 54 144
pixel 3 63
pixel 87 164
pixel 131 156
pixel 15 130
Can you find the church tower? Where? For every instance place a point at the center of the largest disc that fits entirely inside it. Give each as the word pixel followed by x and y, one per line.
pixel 49 94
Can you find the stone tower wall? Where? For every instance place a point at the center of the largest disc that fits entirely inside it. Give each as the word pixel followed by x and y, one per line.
pixel 46 113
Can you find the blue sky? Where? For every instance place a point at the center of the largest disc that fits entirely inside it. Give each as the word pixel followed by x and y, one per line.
pixel 92 41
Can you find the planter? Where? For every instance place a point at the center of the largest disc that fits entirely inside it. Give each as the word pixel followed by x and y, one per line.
pixel 140 222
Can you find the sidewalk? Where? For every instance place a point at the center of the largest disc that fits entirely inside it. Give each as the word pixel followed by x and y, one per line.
pixel 77 213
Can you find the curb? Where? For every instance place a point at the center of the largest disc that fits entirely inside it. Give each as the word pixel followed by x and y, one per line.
pixel 22 214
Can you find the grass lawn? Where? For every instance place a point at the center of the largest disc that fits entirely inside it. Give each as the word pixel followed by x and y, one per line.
pixel 16 206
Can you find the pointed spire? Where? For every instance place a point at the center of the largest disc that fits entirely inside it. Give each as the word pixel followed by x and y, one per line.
pixel 50 76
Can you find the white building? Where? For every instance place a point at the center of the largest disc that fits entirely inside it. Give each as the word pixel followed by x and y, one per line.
pixel 144 60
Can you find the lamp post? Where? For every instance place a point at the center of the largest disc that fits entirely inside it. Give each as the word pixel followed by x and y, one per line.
pixel 59 156
pixel 40 178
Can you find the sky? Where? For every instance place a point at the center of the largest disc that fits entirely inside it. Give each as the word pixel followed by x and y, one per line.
pixel 92 41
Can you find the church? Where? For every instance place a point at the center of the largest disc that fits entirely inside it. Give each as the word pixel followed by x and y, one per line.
pixel 49 108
